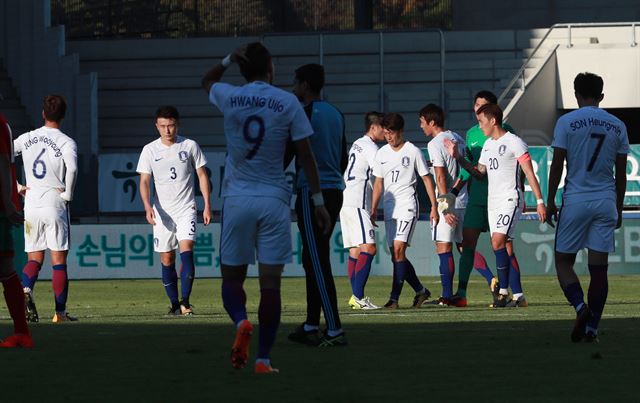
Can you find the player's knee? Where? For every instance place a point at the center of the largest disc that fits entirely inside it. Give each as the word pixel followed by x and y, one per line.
pixel 369 248
pixel 167 258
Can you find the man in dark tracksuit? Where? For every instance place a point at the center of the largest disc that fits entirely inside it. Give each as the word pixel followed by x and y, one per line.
pixel 330 149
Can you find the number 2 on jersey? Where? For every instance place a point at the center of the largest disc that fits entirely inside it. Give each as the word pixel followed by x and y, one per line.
pixel 600 138
pixel 352 159
pixel 39 163
pixel 256 138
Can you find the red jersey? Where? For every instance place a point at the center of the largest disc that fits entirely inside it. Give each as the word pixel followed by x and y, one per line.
pixel 6 148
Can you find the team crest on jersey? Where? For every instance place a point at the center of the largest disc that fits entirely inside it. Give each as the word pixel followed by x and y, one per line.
pixel 183 155
pixel 502 149
pixel 406 161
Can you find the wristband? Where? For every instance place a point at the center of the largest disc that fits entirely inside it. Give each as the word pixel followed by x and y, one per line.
pixel 318 200
pixel 539 201
pixel 455 192
pixel 226 62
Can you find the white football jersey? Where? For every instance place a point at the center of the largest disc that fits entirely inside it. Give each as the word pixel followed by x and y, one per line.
pixel 47 153
pixel 503 169
pixel 172 168
pixel 592 138
pixel 398 169
pixel 359 174
pixel 439 157
pixel 259 120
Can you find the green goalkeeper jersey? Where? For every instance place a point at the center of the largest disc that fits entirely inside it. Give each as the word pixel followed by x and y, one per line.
pixel 477 187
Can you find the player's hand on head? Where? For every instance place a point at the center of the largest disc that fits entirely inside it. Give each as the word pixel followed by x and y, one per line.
pixel 322 219
pixel 239 55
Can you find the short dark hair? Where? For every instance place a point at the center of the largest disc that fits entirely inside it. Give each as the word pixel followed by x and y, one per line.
pixel 54 108
pixel 168 112
pixel 488 95
pixel 588 85
pixel 258 62
pixel 312 74
pixel 393 121
pixel 432 112
pixel 372 118
pixel 491 111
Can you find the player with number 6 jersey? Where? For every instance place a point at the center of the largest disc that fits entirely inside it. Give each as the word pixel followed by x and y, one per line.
pixel 171 161
pixel 50 162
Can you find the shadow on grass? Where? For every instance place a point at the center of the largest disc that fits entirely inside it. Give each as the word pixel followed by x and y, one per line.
pixel 178 360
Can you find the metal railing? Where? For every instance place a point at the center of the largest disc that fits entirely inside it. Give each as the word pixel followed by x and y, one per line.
pixel 321 55
pixel 520 74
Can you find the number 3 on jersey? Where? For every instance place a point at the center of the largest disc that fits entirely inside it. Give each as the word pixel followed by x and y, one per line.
pixel 253 132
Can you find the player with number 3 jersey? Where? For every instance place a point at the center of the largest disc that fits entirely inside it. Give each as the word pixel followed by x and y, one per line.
pixel 171 161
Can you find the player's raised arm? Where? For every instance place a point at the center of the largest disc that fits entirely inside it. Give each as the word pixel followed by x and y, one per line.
pixel 478 171
pixel 527 168
pixel 215 74
pixel 145 195
pixel 305 157
pixel 203 181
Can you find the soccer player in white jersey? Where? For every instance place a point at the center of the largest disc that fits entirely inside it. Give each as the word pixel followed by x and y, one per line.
pixel 452 199
pixel 259 120
pixel 592 142
pixel 50 160
pixel 170 161
pixel 502 156
pixel 358 233
pixel 395 167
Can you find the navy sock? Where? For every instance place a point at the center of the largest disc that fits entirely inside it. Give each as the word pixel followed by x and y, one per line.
pixel 170 282
pixel 187 275
pixel 597 294
pixel 502 267
pixel 351 272
pixel 447 270
pixel 514 275
pixel 398 282
pixel 412 277
pixel 269 318
pixel 575 296
pixel 361 275
pixel 234 300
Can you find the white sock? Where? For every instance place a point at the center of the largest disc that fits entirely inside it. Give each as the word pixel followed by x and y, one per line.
pixel 518 295
pixel 264 361
pixel 334 333
pixel 309 328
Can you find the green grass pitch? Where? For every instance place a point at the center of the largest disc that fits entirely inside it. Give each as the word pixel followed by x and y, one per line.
pixel 125 349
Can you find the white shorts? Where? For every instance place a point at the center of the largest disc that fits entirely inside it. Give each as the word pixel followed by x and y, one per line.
pixel 46 228
pixel 169 231
pixel 589 224
pixel 356 226
pixel 503 218
pixel 443 232
pixel 255 225
pixel 400 229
